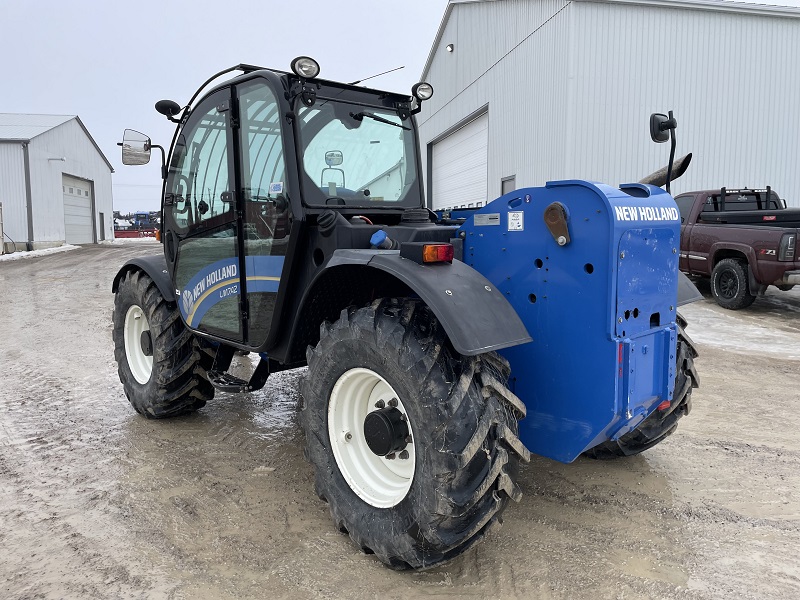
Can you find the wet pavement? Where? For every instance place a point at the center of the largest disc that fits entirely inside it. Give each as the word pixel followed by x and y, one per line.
pixel 97 502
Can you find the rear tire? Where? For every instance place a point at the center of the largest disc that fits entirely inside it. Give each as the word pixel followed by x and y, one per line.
pixel 169 378
pixel 660 424
pixel 730 285
pixel 463 434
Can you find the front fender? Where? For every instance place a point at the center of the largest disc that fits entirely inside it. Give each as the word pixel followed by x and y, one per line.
pixel 475 315
pixel 155 267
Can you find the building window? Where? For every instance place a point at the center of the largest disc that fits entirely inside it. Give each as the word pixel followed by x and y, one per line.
pixel 71 191
pixel 86 192
pixel 508 184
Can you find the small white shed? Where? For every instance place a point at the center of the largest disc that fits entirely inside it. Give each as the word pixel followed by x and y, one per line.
pixel 55 183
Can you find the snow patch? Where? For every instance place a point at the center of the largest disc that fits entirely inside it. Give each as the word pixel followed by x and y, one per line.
pixel 710 327
pixel 35 253
pixel 136 240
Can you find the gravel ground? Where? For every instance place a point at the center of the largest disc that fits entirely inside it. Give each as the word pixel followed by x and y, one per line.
pixel 97 502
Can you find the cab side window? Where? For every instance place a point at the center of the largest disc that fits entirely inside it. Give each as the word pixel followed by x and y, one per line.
pixel 199 179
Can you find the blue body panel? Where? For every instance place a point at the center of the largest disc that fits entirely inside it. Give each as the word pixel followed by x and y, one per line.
pixel 600 309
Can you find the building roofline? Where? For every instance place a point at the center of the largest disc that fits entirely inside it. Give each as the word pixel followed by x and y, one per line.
pixel 438 38
pixel 67 119
pixel 713 5
pixel 716 5
pixel 91 139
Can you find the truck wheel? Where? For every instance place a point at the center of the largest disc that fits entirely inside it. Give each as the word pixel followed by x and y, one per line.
pixel 161 365
pixel 729 284
pixel 414 446
pixel 660 424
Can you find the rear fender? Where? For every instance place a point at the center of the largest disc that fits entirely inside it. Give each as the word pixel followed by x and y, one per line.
pixel 155 267
pixel 475 315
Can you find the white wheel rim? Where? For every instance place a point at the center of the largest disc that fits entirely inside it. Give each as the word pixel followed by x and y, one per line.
pixel 140 364
pixel 378 481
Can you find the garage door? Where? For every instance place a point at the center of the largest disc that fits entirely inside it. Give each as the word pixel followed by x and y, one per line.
pixel 77 211
pixel 458 169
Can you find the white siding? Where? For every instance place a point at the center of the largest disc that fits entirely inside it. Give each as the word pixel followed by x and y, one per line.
pixel 12 192
pixel 527 115
pixel 83 161
pixel 569 93
pixel 732 80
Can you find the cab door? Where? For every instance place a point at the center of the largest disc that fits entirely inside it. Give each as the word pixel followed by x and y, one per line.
pixel 265 203
pixel 201 229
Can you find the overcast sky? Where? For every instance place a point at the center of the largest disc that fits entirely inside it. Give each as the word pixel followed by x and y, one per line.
pixel 109 61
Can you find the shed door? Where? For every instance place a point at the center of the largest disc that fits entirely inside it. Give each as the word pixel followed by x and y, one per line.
pixel 77 211
pixel 459 166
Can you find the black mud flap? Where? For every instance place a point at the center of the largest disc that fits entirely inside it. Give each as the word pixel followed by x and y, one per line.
pixel 475 315
pixel 155 267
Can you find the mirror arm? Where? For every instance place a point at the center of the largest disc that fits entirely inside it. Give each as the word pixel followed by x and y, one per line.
pixel 671 151
pixel 164 169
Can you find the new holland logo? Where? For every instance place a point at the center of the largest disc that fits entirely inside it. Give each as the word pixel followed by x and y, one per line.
pixel 646 213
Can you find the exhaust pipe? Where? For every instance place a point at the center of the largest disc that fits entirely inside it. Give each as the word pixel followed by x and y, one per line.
pixel 659 178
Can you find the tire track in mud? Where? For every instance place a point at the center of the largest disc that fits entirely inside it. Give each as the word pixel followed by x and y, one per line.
pixel 59 414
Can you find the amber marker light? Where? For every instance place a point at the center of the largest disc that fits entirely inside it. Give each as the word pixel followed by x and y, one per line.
pixel 426 253
pixel 437 253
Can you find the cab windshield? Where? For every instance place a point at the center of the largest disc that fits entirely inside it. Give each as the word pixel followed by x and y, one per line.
pixel 354 155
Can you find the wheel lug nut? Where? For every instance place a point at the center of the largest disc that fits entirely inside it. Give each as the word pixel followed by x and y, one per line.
pixel 391 456
pixel 348 436
pixel 380 404
pixel 393 402
pixel 403 455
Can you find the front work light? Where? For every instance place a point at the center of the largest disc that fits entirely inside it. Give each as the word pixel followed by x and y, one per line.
pixel 422 91
pixel 305 67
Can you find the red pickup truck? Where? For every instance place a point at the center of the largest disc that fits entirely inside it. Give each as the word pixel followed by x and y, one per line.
pixel 744 240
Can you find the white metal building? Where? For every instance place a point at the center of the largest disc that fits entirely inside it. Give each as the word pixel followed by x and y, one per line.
pixel 55 183
pixel 528 91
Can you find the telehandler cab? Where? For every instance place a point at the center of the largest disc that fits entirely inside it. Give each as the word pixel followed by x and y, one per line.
pixel 294 227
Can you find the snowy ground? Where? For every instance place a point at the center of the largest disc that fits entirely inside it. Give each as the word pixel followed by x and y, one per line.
pixel 20 254
pixel 770 327
pixel 36 253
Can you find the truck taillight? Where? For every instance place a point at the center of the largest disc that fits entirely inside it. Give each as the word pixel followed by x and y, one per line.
pixel 788 243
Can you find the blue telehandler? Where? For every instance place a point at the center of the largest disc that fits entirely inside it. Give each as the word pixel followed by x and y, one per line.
pixel 441 352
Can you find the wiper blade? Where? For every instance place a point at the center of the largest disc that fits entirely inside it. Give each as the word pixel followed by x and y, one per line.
pixel 360 116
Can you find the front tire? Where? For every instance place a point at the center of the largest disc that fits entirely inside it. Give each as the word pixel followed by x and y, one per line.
pixel 451 471
pixel 729 284
pixel 161 364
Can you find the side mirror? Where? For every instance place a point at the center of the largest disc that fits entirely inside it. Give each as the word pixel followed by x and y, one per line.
pixel 135 148
pixel 660 126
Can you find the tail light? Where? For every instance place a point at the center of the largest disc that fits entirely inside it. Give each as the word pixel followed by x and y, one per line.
pixel 788 242
pixel 423 253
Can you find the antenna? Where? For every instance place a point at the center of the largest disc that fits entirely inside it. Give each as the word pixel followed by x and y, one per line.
pixel 378 75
